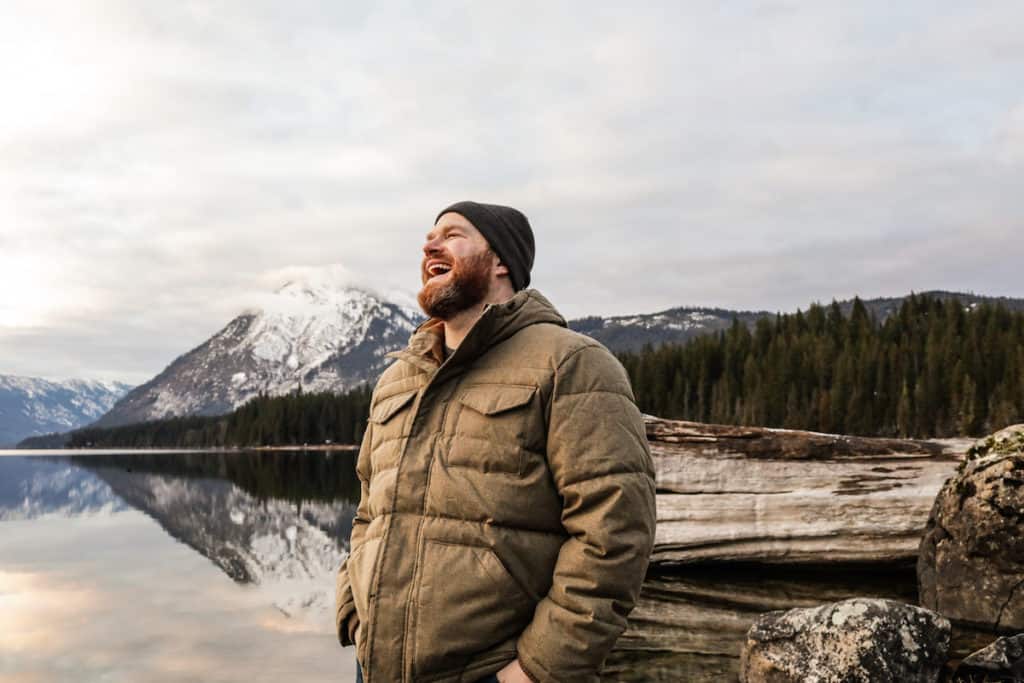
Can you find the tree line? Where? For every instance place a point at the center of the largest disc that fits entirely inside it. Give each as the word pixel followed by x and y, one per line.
pixel 291 420
pixel 932 369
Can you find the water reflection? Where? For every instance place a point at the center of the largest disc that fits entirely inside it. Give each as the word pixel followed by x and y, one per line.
pixel 93 584
pixel 260 517
pixel 220 566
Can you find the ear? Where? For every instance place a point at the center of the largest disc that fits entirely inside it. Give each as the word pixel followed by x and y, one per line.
pixel 502 269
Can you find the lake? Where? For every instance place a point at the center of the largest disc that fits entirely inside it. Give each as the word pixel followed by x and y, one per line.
pixel 219 566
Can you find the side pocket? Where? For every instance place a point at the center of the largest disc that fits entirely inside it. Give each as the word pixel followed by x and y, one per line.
pixel 360 574
pixel 466 602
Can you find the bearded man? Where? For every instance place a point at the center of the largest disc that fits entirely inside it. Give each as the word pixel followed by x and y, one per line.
pixel 506 516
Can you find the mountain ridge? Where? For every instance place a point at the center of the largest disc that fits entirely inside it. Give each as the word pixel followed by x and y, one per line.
pixel 313 337
pixel 287 345
pixel 31 406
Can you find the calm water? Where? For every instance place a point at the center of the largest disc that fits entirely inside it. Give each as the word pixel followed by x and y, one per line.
pixel 220 567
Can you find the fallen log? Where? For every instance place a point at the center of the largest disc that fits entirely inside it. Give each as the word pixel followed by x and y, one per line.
pixel 779 496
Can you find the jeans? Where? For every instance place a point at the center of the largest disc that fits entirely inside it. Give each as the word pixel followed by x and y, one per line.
pixel 359 676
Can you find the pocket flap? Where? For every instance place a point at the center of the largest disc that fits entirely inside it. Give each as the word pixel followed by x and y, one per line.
pixel 491 399
pixel 386 407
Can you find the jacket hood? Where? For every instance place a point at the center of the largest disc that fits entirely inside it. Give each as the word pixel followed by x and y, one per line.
pixel 497 323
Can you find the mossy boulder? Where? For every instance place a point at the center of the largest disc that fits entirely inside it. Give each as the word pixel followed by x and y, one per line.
pixel 970 563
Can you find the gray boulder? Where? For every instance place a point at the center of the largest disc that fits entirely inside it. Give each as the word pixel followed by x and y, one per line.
pixel 1003 660
pixel 970 564
pixel 852 641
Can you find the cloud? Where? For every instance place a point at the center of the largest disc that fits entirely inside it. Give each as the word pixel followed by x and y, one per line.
pixel 160 164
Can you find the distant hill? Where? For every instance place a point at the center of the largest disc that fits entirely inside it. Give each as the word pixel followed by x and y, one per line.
pixel 31 406
pixel 883 307
pixel 672 326
pixel 678 325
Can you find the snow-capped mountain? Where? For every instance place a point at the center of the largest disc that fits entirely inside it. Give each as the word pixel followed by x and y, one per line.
pixel 319 336
pixel 674 326
pixel 30 405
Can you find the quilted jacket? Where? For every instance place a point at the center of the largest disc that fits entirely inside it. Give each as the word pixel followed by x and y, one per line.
pixel 507 506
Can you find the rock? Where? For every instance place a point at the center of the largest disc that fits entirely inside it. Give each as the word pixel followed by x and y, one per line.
pixel 694 622
pixel 857 640
pixel 971 562
pixel 1003 660
pixel 1004 442
pixel 785 496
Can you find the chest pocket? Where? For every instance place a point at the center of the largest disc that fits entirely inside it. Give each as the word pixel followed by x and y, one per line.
pixel 496 425
pixel 389 417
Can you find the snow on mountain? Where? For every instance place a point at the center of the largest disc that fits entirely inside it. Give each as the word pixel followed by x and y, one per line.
pixel 673 326
pixel 322 336
pixel 30 405
pixel 679 325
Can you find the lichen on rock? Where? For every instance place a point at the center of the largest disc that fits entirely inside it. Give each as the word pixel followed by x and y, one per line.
pixel 1003 660
pixel 1004 442
pixel 861 639
pixel 971 559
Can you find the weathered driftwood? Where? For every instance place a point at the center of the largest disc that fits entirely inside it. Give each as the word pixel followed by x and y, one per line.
pixel 785 496
pixel 690 625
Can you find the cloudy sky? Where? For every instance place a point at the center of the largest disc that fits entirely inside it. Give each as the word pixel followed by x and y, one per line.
pixel 162 164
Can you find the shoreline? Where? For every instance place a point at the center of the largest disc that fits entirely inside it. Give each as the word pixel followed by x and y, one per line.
pixel 28 452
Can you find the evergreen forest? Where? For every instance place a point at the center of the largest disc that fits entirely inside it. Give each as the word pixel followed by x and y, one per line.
pixel 292 420
pixel 932 369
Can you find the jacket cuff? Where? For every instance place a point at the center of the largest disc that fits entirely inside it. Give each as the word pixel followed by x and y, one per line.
pixel 532 669
pixel 347 626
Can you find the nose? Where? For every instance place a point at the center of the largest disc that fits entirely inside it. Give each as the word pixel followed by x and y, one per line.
pixel 432 246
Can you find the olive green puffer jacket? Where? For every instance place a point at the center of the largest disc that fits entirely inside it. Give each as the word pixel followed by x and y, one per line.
pixel 507 505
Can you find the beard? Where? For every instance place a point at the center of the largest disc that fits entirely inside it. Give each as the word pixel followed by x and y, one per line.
pixel 466 285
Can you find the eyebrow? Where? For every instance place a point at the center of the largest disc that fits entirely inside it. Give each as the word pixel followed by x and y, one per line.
pixel 444 231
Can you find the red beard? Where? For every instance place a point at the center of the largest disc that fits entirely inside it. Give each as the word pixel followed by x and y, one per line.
pixel 466 285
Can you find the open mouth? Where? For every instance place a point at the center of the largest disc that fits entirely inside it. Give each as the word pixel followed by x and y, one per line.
pixel 438 268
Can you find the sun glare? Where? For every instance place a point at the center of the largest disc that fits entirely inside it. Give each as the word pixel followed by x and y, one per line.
pixel 33 294
pixel 52 77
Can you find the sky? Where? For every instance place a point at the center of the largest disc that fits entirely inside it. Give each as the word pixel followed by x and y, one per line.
pixel 163 165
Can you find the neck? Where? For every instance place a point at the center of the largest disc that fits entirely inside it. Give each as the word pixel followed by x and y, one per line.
pixel 456 328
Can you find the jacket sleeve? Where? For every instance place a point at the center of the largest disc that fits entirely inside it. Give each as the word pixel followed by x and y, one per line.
pixel 601 463
pixel 346 619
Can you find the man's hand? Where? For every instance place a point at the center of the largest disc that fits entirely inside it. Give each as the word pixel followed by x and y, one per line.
pixel 513 673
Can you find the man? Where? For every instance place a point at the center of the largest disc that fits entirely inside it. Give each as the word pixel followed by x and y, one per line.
pixel 506 517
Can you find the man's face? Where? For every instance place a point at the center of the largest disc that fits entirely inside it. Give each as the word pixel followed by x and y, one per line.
pixel 457 267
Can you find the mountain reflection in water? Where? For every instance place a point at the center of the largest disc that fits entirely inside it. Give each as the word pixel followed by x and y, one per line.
pixel 93 586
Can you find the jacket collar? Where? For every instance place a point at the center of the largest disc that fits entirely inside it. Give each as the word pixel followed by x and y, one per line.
pixel 497 323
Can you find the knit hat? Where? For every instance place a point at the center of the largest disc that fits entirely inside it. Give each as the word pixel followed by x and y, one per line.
pixel 507 231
